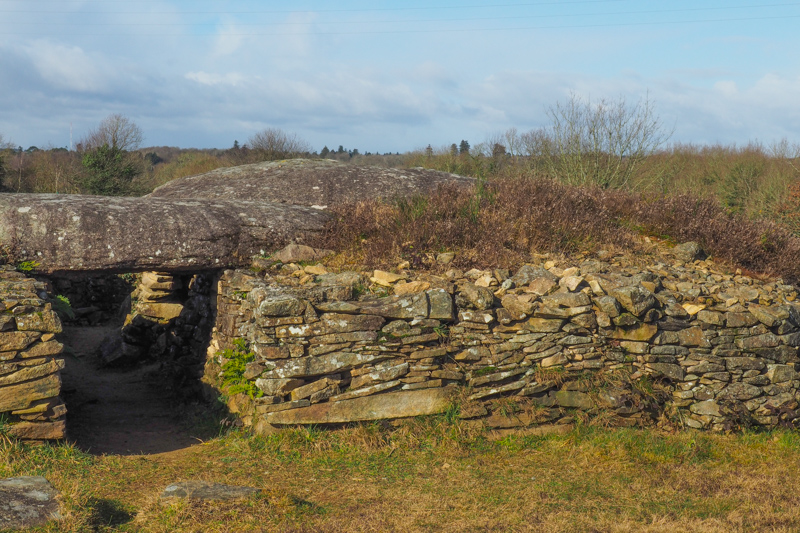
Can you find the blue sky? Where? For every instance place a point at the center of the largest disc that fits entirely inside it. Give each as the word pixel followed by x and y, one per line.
pixel 391 76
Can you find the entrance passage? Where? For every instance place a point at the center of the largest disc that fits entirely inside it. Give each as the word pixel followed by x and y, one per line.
pixel 124 411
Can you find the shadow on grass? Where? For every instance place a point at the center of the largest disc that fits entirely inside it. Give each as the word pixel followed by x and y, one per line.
pixel 108 513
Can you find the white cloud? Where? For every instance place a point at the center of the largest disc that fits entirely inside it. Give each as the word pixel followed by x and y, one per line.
pixel 66 67
pixel 726 88
pixel 205 78
pixel 229 39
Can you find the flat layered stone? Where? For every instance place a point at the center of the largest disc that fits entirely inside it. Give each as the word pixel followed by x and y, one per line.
pixel 278 387
pixel 32 372
pixel 383 374
pixel 56 430
pixel 673 372
pixel 17 340
pixel 329 363
pixel 382 406
pixel 545 325
pixel 560 312
pixel 44 321
pixel 635 298
pixel 268 305
pixel 640 333
pixel 529 273
pixel 21 395
pixel 740 392
pixel 693 337
pixel 308 391
pixel 331 324
pixel 768 340
pixel 706 408
pixel 781 373
pixel 575 399
pixel 566 299
pixel 366 391
pixel 162 310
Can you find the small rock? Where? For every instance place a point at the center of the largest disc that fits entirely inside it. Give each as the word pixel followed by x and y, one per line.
pixel 316 270
pixel 635 299
pixel 413 287
pixel 471 296
pixel 386 279
pixel 445 258
pixel 527 273
pixel 689 252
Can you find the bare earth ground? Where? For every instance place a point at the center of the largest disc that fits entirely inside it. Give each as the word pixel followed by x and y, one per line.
pixel 116 411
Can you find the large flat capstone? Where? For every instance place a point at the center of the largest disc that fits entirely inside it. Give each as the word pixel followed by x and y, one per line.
pixel 66 233
pixel 321 183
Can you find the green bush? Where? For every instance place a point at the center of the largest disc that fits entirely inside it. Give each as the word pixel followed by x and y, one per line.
pixel 109 171
pixel 236 359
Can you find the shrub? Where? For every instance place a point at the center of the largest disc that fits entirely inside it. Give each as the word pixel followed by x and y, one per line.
pixel 500 224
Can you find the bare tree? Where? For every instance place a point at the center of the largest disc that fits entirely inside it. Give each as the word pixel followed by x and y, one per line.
pixel 273 144
pixel 601 144
pixel 115 131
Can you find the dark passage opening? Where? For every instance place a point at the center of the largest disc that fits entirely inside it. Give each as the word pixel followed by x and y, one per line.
pixel 135 345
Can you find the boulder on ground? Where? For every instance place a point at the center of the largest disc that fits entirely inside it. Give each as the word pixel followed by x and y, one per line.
pixel 28 501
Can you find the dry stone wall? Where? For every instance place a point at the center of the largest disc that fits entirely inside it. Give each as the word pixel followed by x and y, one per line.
pixel 30 363
pixel 680 344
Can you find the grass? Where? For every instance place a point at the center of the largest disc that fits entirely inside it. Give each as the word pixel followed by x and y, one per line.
pixel 434 475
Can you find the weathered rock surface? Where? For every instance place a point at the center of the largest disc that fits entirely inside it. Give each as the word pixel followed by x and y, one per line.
pixel 204 490
pixel 321 183
pixel 25 502
pixel 68 233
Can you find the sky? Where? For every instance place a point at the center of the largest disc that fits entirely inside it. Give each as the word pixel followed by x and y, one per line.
pixel 391 76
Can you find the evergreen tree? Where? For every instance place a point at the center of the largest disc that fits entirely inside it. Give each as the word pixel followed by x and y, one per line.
pixel 324 151
pixel 463 148
pixel 109 171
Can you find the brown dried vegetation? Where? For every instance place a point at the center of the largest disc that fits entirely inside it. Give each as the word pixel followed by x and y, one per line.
pixel 502 223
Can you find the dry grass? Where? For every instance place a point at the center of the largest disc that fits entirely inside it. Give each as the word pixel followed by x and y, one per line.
pixel 436 476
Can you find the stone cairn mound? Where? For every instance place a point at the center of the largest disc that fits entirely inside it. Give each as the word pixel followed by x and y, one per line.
pixel 30 380
pixel 681 343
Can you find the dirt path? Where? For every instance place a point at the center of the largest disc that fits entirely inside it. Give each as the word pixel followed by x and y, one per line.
pixel 112 411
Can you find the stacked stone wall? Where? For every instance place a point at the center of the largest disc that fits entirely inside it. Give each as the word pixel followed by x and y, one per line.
pixel 679 344
pixel 30 363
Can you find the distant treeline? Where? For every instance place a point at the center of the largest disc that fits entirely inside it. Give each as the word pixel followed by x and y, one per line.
pixel 610 145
